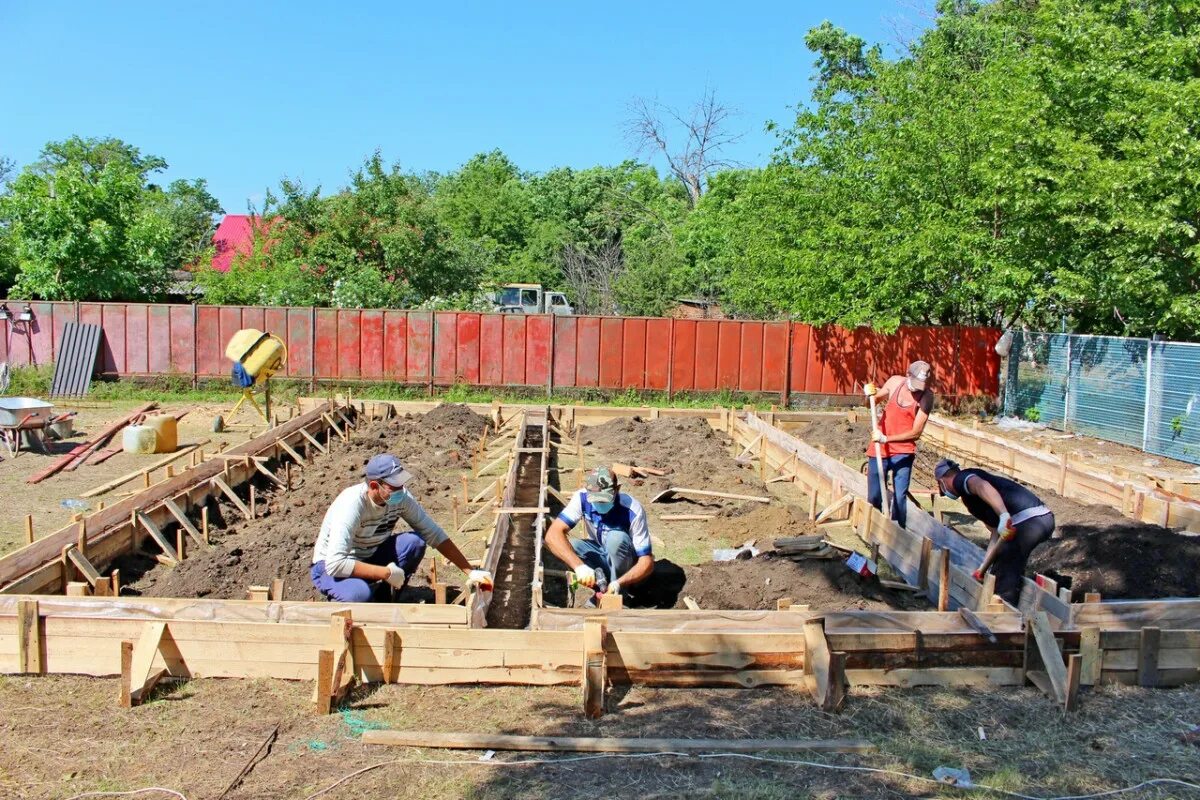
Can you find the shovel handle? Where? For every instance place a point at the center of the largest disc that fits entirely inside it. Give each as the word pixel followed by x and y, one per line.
pixel 883 488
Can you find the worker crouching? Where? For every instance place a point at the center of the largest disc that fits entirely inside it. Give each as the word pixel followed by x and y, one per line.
pixel 358 553
pixel 616 554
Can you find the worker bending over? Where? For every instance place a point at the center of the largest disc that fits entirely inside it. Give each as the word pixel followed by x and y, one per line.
pixel 616 554
pixel 358 550
pixel 907 403
pixel 1015 517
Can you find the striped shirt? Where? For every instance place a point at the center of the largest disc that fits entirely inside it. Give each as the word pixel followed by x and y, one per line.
pixel 626 515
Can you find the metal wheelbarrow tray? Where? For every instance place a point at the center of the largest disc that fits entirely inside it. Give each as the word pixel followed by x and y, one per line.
pixel 23 414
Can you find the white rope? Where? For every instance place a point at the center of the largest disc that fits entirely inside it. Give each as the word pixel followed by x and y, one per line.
pixel 159 789
pixel 787 761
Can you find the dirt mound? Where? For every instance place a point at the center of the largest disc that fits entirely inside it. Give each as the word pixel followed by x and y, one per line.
pixel 1103 551
pixel 279 543
pixel 758 583
pixel 763 523
pixel 694 455
pixel 840 438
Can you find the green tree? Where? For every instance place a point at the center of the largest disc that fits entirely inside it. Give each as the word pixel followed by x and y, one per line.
pixel 86 223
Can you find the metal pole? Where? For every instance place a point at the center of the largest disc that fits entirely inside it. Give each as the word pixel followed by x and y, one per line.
pixel 1146 401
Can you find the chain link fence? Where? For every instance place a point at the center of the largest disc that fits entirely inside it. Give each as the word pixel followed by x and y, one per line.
pixel 1141 392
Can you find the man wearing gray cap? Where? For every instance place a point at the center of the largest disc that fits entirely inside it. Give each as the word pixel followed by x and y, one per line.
pixel 616 553
pixel 1015 517
pixel 357 549
pixel 907 404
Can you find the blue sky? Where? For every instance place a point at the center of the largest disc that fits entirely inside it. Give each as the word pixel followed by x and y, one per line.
pixel 243 94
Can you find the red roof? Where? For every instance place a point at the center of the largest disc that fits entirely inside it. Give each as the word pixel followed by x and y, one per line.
pixel 234 235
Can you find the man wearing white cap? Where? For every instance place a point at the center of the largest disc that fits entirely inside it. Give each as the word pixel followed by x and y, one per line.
pixel 616 553
pixel 358 550
pixel 907 403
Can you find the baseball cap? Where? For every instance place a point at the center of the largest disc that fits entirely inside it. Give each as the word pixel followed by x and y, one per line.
pixel 944 466
pixel 387 468
pixel 919 372
pixel 601 486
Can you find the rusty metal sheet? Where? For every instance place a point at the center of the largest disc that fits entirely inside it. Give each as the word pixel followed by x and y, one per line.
pixel 467 350
pixel 537 349
pixel 612 330
pixel 370 352
pixel 633 354
pixel 587 352
pixel 514 349
pixel 445 347
pixel 565 353
pixel 349 340
pixel 491 349
pixel 395 346
pixel 77 361
pixel 658 353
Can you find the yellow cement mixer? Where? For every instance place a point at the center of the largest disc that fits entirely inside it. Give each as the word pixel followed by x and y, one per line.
pixel 256 356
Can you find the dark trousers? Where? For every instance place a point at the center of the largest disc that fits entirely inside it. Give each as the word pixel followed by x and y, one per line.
pixel 1013 555
pixel 901 468
pixel 404 549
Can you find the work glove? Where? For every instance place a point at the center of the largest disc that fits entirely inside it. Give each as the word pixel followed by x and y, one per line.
pixel 396 576
pixel 870 390
pixel 879 436
pixel 1005 527
pixel 613 588
pixel 978 575
pixel 585 575
pixel 480 578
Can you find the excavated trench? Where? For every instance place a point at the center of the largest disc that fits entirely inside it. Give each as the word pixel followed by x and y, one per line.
pixel 512 598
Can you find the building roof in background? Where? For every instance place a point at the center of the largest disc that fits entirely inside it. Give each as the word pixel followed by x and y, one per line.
pixel 234 235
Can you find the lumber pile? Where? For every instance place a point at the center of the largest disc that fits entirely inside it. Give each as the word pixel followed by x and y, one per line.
pixel 803 548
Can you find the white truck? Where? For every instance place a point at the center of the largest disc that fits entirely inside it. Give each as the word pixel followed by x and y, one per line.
pixel 530 298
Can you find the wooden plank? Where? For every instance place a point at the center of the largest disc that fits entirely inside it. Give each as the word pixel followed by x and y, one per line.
pixel 1091 656
pixel 391 655
pixel 124 479
pixel 291 451
pixel 262 470
pixel 1074 673
pixel 29 638
pixel 323 691
pixel 976 623
pixel 818 664
pixel 835 507
pixel 184 522
pixel 313 441
pixel 124 697
pixel 142 675
pixel 82 451
pixel 983 677
pixel 1148 657
pixel 1052 660
pixel 594 674
pixel 84 566
pixel 580 744
pixel 674 490
pixel 157 535
pixel 233 498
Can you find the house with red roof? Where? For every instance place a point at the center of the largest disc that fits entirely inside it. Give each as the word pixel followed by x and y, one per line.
pixel 234 236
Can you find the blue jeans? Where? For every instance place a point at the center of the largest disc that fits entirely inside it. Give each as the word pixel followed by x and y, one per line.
pixel 901 469
pixel 611 561
pixel 405 549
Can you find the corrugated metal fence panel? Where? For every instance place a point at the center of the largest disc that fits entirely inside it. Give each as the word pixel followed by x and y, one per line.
pixel 1174 424
pixel 1106 390
pixel 416 347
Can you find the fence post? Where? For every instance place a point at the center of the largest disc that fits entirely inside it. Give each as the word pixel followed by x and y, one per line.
pixel 785 397
pixel 1146 401
pixel 550 371
pixel 1067 392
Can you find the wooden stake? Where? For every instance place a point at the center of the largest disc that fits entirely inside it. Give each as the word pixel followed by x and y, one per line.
pixel 170 470
pixel 29 637
pixel 253 502
pixel 1147 671
pixel 204 523
pixel 125 696
pixel 466 497
pixel 944 580
pixel 455 511
pixel 146 478
pixel 1092 656
pixel 595 667
pixel 1074 671
pixel 926 557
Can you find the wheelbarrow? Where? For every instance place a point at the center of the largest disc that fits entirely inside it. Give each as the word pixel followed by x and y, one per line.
pixel 22 422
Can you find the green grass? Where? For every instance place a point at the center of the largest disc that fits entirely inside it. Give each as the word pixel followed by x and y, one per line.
pixel 35 382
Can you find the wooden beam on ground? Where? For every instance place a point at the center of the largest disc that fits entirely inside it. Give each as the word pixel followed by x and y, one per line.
pixel 586 744
pixel 157 535
pixel 184 522
pixel 667 494
pixel 142 676
pixel 595 667
pixel 232 495
pixel 1047 646
pixel 685 517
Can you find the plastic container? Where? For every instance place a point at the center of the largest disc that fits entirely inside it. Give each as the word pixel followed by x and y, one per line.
pixel 139 440
pixel 166 428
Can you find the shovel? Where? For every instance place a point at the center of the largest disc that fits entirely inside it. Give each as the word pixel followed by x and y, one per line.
pixel 883 487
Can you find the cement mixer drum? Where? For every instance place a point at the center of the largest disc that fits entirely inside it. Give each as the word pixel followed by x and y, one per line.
pixel 260 354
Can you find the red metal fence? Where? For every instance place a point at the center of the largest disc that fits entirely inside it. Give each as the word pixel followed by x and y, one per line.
pixel 447 347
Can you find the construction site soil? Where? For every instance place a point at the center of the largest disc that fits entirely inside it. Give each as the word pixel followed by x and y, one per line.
pixel 435 447
pixel 1098 549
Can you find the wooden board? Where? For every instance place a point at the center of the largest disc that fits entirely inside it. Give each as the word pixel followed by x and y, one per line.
pixel 579 744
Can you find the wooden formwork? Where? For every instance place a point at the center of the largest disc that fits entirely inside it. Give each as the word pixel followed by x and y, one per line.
pixel 1055 644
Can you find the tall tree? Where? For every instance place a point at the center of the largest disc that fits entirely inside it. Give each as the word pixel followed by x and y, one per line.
pixel 86 222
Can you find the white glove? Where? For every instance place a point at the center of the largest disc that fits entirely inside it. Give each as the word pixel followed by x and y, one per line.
pixel 1005 527
pixel 481 578
pixel 870 390
pixel 879 436
pixel 585 575
pixel 613 588
pixel 396 576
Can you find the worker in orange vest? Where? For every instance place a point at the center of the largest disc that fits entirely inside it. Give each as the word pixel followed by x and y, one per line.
pixel 907 402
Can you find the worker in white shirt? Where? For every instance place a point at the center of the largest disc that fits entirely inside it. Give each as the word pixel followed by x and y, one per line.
pixel 358 549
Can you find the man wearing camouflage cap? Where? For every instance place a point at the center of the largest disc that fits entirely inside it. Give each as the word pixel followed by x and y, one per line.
pixel 616 554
